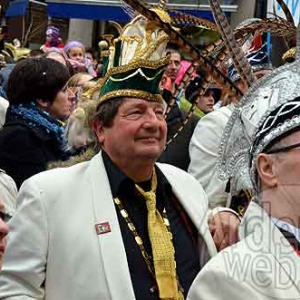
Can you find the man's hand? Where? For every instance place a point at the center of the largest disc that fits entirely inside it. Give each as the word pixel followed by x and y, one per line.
pixel 223 227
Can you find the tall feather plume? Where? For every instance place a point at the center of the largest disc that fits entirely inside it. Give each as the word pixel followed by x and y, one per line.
pixel 277 27
pixel 290 20
pixel 185 18
pixel 203 87
pixel 185 79
pixel 188 73
pixel 238 57
pixel 206 64
pixel 183 84
pixel 190 70
pixel 181 19
pixel 218 61
pixel 286 11
pixel 201 90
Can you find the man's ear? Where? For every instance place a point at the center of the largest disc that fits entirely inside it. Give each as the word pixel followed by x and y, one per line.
pixel 98 128
pixel 266 168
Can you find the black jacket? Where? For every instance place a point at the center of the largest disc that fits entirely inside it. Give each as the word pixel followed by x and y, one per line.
pixel 177 152
pixel 26 150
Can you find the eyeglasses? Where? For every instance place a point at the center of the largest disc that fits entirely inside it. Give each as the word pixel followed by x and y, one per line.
pixel 283 149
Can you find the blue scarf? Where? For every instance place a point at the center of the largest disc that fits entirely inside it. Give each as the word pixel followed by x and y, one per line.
pixel 36 117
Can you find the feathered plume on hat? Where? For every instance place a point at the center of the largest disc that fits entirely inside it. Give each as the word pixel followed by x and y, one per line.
pixel 198 57
pixel 257 57
pixel 269 111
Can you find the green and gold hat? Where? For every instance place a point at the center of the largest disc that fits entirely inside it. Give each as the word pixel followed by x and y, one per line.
pixel 136 61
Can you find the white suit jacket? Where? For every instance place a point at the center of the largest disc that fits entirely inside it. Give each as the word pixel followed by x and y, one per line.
pixel 54 252
pixel 262 266
pixel 3 108
pixel 204 152
pixel 8 193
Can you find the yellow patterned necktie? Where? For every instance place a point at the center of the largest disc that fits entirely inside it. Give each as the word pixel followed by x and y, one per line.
pixel 162 247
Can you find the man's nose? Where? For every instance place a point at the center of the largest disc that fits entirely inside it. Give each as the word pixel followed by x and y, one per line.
pixel 173 64
pixel 212 98
pixel 151 119
pixel 4 229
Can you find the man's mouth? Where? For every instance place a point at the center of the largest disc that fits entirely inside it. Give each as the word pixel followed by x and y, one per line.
pixel 150 139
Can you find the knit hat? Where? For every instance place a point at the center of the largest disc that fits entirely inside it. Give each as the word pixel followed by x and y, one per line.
pixel 53 32
pixel 73 44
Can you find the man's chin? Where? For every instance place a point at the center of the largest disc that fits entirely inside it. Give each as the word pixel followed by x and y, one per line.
pixel 152 154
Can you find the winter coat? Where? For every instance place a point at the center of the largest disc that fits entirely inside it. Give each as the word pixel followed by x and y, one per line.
pixel 26 150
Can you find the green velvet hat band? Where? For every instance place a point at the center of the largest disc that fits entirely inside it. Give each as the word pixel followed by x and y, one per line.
pixel 142 82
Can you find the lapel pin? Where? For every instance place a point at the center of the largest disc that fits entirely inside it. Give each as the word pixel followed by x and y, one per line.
pixel 102 228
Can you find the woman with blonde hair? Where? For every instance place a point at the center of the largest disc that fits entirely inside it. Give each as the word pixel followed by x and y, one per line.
pixel 77 85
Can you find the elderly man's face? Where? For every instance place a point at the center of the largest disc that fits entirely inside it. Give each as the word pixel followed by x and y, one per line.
pixel 3 233
pixel 288 164
pixel 280 172
pixel 138 132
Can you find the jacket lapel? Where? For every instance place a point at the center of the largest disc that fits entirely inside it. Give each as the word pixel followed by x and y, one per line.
pixel 111 247
pixel 283 252
pixel 194 201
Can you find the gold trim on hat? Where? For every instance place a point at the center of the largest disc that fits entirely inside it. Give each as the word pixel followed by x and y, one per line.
pixel 140 71
pixel 105 53
pixel 291 53
pixel 132 94
pixel 163 15
pixel 153 45
pixel 135 65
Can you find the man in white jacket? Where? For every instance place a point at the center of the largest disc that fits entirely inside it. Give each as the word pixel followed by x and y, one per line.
pixel 118 226
pixel 206 140
pixel 265 264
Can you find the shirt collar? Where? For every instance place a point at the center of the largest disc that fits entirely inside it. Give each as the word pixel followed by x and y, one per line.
pixel 287 227
pixel 116 177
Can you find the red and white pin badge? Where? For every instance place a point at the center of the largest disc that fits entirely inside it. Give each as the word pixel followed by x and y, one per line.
pixel 102 228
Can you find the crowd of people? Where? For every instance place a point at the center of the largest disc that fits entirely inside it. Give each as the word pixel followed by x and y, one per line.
pixel 123 178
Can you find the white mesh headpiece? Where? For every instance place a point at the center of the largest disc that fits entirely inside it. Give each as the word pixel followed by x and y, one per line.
pixel 269 110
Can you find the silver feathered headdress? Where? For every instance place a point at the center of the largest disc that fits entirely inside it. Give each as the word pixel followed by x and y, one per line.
pixel 269 110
